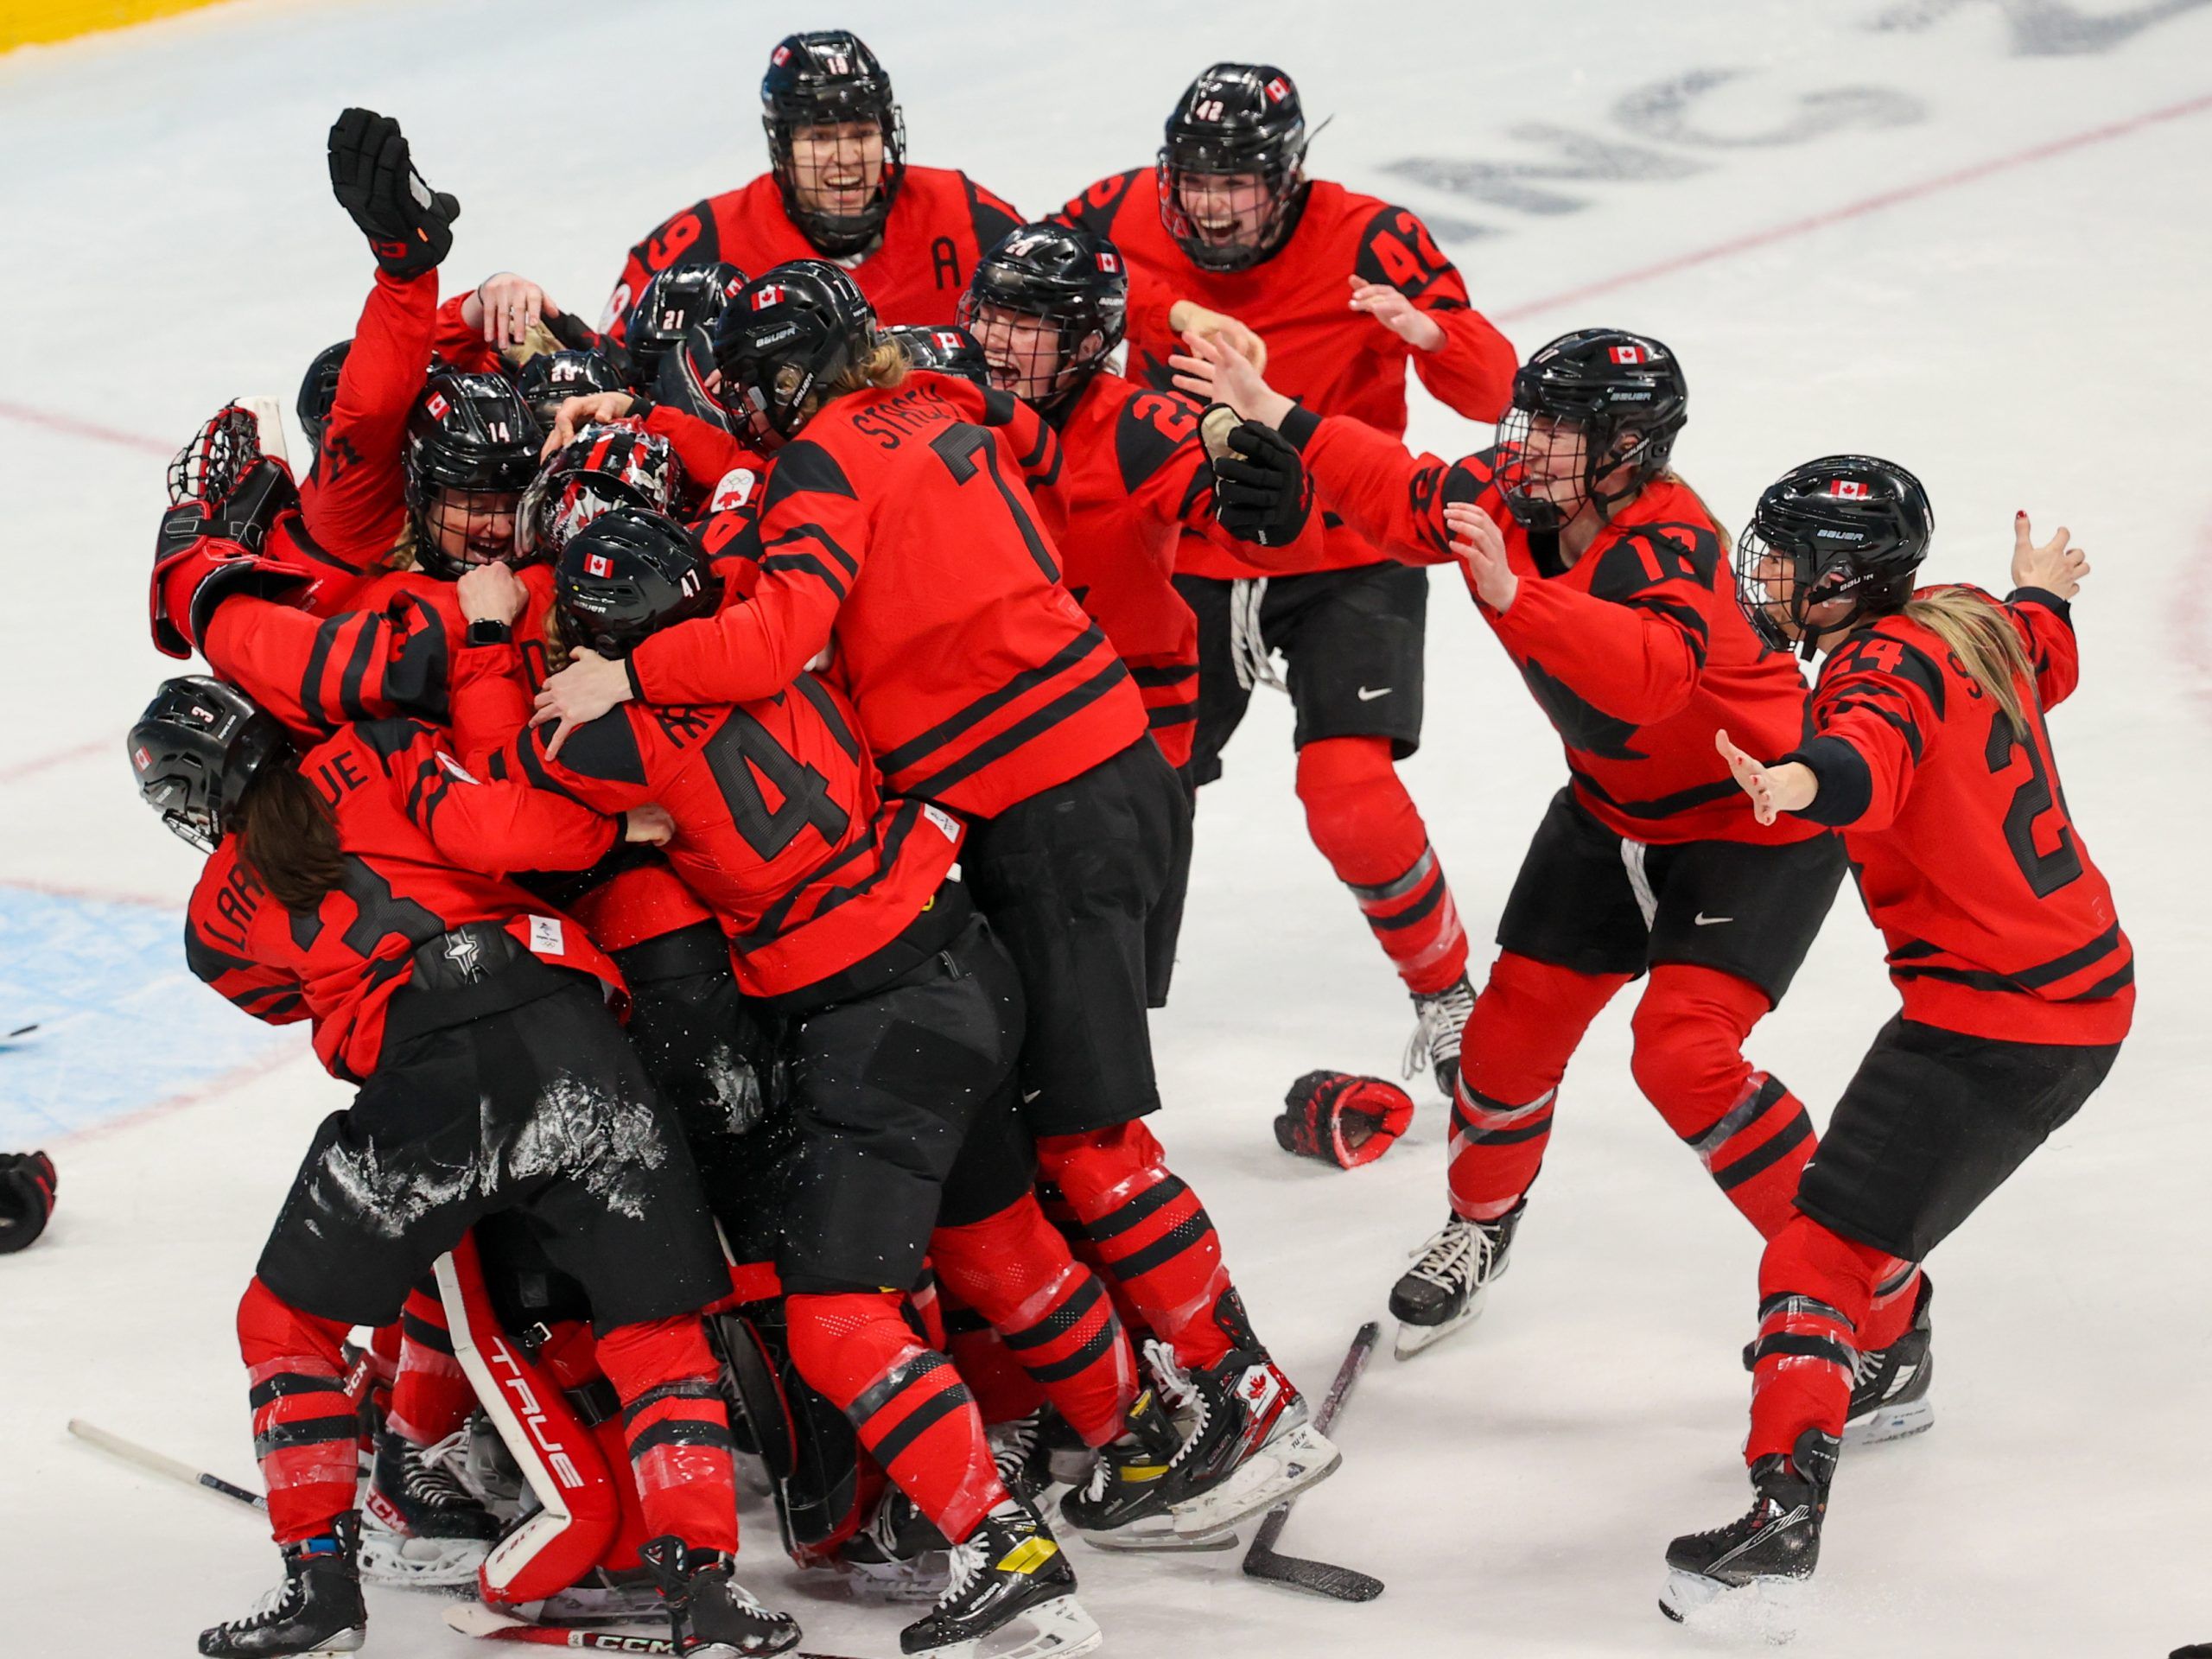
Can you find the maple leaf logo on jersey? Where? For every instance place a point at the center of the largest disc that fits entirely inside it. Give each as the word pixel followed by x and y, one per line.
pixel 1629 354
pixel 1850 489
pixel 598 565
pixel 437 405
pixel 772 294
pixel 1278 89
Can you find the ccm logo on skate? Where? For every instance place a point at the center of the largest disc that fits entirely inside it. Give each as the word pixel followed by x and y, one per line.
pixel 556 1457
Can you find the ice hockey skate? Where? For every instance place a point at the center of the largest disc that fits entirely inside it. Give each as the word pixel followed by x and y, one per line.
pixel 713 1616
pixel 1012 1596
pixel 316 1611
pixel 1889 1393
pixel 1438 1018
pixel 421 1528
pixel 1451 1276
pixel 1755 1566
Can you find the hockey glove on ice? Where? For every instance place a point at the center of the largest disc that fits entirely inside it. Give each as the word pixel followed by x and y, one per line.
pixel 1344 1120
pixel 27 1186
pixel 410 226
pixel 1260 492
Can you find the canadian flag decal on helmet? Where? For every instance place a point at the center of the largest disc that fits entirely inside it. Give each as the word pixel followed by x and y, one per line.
pixel 140 759
pixel 1278 89
pixel 1850 489
pixel 780 56
pixel 1629 354
pixel 946 340
pixel 437 405
pixel 1108 261
pixel 772 294
pixel 598 565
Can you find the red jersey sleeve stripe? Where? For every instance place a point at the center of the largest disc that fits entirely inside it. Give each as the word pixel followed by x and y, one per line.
pixel 983 755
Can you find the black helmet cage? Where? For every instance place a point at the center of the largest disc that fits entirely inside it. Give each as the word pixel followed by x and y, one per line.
pixel 627 575
pixel 1623 393
pixel 1851 527
pixel 471 443
pixel 548 379
pixel 945 350
pixel 829 77
pixel 193 752
pixel 787 336
pixel 1236 120
pixel 602 468
pixel 669 306
pixel 1066 276
pixel 318 392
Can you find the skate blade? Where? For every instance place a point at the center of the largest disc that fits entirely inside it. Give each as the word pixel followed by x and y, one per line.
pixel 1418 1338
pixel 1278 1472
pixel 1890 1423
pixel 1059 1629
pixel 403 1563
pixel 1766 1609
pixel 1158 1532
pixel 921 1580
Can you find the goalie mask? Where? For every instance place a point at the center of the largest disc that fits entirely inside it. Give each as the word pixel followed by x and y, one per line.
pixel 195 751
pixel 602 468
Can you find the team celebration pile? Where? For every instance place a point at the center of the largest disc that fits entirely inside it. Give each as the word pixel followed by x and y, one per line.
pixel 720 782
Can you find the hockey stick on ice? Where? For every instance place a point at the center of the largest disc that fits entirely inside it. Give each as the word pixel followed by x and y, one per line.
pixel 132 1451
pixel 1322 1578
pixel 476 1619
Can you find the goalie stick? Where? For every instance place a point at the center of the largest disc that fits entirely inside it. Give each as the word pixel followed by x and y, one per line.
pixel 132 1451
pixel 493 1625
pixel 1322 1578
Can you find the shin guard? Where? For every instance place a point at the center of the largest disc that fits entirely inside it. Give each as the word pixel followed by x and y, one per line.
pixel 306 1432
pixel 1366 825
pixel 430 1395
pixel 1814 1290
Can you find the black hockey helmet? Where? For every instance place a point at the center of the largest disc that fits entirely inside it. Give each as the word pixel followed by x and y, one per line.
pixel 470 438
pixel 1070 278
pixel 548 379
pixel 626 574
pixel 195 749
pixel 1851 528
pixel 1238 121
pixel 318 392
pixel 669 306
pixel 602 468
pixel 1623 393
pixel 827 77
pixel 787 336
pixel 947 351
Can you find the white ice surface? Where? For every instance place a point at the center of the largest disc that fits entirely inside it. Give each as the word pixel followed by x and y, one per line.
pixel 2030 336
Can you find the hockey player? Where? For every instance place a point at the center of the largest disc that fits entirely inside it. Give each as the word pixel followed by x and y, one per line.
pixel 1047 305
pixel 1604 577
pixel 1347 290
pixel 906 1016
pixel 491 1078
pixel 1929 751
pixel 894 534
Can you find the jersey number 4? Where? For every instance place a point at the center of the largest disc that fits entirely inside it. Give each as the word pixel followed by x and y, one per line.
pixel 744 747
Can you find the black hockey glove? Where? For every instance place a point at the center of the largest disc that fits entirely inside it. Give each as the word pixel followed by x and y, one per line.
pixel 410 226
pixel 1261 491
pixel 1342 1119
pixel 27 1186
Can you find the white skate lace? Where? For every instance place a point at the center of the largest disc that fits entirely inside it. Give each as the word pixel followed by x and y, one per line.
pixel 1439 1020
pixel 1463 1245
pixel 1247 647
pixel 433 1472
pixel 967 1567
pixel 1011 1445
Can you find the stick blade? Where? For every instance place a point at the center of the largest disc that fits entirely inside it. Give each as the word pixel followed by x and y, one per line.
pixel 1316 1577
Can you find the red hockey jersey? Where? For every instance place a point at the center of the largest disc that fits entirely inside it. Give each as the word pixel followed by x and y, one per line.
pixel 414 829
pixel 1637 653
pixel 939 225
pixel 780 825
pixel 1998 924
pixel 892 525
pixel 1334 359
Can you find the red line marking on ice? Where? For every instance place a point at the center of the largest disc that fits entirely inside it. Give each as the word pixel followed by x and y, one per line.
pixel 237 1077
pixel 54 421
pixel 95 895
pixel 1857 209
pixel 61 757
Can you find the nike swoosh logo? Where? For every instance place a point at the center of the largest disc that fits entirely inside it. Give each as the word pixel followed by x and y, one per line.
pixel 1704 920
pixel 1366 696
pixel 1028 1095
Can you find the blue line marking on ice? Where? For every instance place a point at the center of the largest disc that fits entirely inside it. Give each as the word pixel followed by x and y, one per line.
pixel 122 1023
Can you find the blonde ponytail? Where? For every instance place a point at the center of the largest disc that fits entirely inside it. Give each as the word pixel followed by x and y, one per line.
pixel 1984 644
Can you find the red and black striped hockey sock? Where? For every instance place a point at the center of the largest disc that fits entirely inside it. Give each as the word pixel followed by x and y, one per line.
pixel 1751 1133
pixel 306 1433
pixel 1815 1289
pixel 1052 1312
pixel 1367 826
pixel 1152 1235
pixel 1889 1315
pixel 1525 1028
pixel 1003 1390
pixel 677 1428
pixel 906 1402
pixel 430 1395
